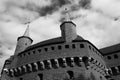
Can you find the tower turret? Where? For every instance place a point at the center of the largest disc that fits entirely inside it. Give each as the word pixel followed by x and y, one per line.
pixel 23 42
pixel 68 29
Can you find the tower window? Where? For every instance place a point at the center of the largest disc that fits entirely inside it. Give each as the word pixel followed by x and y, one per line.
pixel 25 43
pixel 59 47
pixel 53 48
pixel 89 47
pixel 40 76
pixel 116 56
pixel 71 74
pixel 21 78
pixel 81 45
pixel 109 57
pixel 33 52
pixel 66 46
pixel 24 54
pixel 46 49
pixel 39 50
pixel 28 53
pixel 73 46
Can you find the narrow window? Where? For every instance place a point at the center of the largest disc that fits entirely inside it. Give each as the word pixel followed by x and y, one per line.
pixel 66 46
pixel 53 48
pixel 40 76
pixel 46 49
pixel 109 57
pixel 39 50
pixel 71 74
pixel 28 53
pixel 59 47
pixel 89 47
pixel 73 46
pixel 21 78
pixel 81 45
pixel 116 56
pixel 33 52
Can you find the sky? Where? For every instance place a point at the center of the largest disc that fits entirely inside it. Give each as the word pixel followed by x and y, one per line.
pixel 96 20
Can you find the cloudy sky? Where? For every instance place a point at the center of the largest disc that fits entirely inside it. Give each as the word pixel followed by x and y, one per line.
pixel 96 20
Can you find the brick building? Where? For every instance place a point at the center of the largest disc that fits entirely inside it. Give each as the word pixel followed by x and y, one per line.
pixel 69 57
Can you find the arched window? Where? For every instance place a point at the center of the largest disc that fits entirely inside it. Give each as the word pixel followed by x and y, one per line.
pixel 71 74
pixel 40 76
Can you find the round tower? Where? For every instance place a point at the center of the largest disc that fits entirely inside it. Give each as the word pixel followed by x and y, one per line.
pixel 68 29
pixel 23 42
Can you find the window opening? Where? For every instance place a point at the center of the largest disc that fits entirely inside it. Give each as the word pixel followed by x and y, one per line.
pixel 73 46
pixel 40 76
pixel 81 45
pixel 59 47
pixel 46 49
pixel 66 46
pixel 116 56
pixel 71 74
pixel 53 48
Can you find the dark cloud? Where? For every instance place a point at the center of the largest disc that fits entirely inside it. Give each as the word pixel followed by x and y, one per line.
pixel 86 4
pixel 47 9
pixel 56 5
pixel 82 4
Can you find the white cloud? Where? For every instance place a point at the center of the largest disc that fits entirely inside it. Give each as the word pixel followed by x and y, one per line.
pixel 108 7
pixel 96 24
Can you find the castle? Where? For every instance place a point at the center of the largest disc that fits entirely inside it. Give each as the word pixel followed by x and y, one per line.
pixel 69 57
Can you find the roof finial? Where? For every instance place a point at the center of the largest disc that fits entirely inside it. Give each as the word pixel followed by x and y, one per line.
pixel 27 29
pixel 67 13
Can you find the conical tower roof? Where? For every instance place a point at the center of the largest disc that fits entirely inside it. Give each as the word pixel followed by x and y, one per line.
pixel 26 31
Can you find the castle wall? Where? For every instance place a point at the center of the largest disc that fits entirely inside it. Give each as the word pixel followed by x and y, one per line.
pixel 53 52
pixel 113 59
